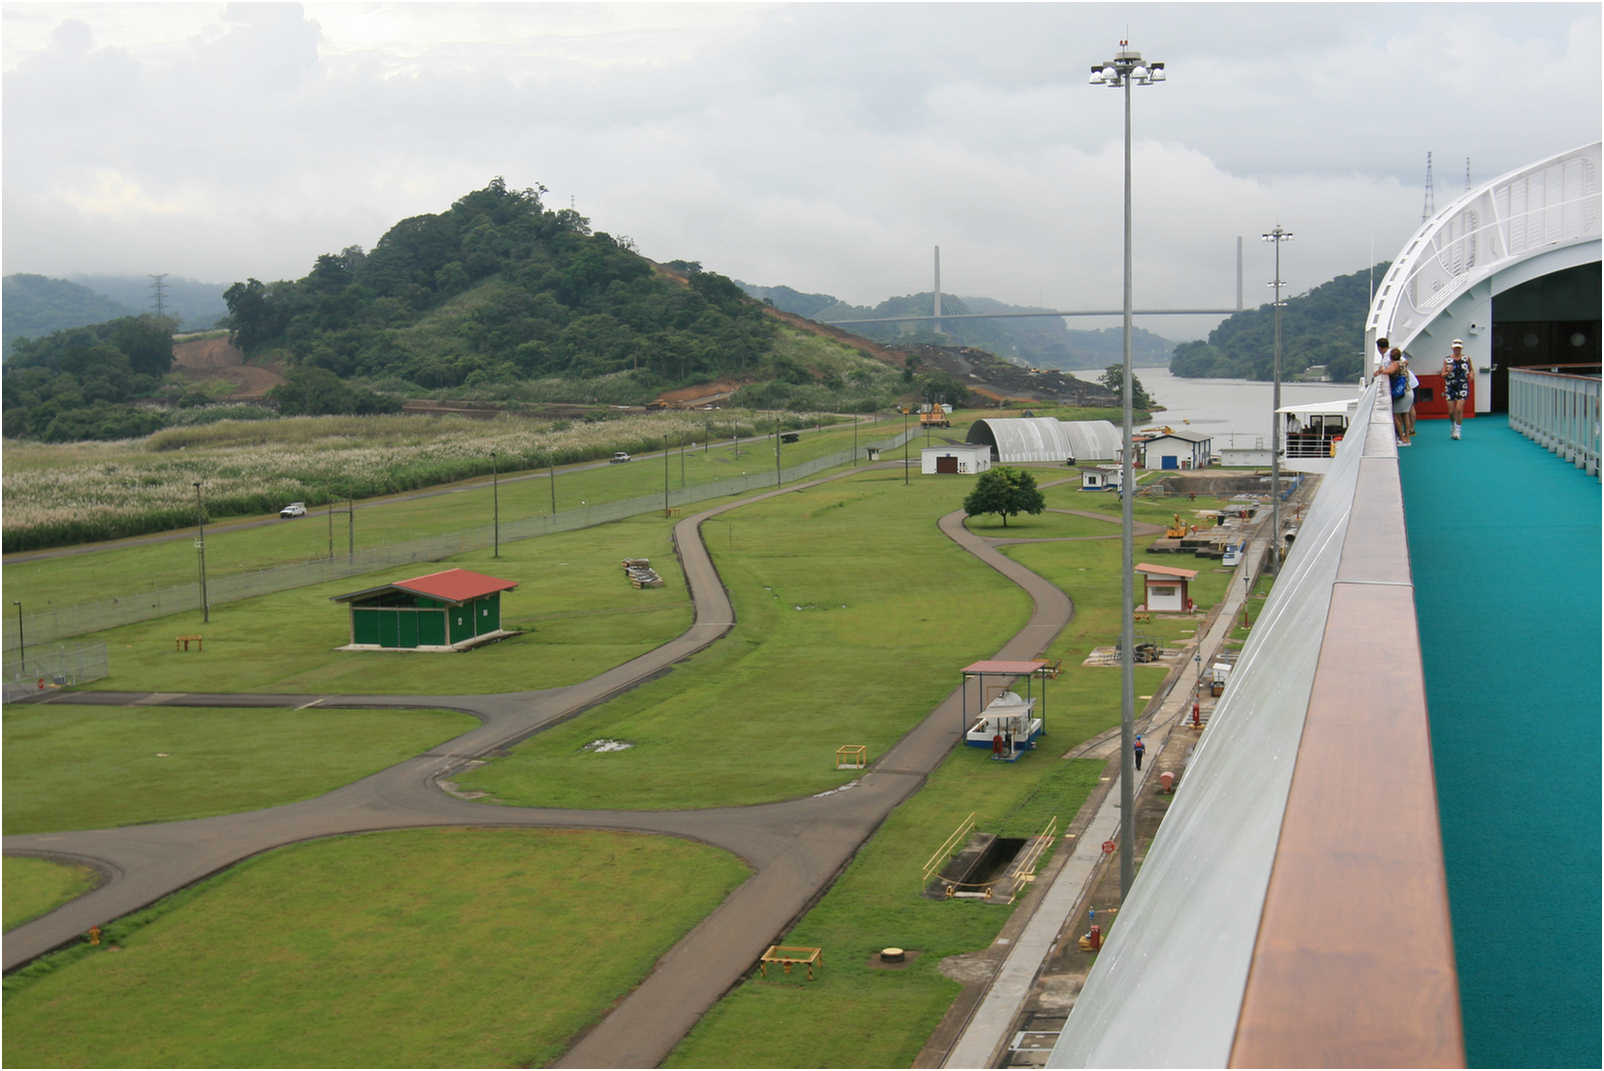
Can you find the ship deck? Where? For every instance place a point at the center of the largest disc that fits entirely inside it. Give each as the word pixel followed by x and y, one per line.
pixel 1504 547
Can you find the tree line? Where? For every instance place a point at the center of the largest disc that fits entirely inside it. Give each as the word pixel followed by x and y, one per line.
pixel 81 383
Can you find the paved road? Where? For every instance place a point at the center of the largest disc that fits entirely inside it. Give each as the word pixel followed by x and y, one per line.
pixel 795 847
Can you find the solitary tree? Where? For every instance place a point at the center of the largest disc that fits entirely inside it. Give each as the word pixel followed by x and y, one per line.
pixel 1004 490
pixel 1113 378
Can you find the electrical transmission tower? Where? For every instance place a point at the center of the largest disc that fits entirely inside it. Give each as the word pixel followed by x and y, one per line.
pixel 156 285
pixel 1430 207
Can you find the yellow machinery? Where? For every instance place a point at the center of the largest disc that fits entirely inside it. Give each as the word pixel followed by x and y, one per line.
pixel 934 417
pixel 1177 529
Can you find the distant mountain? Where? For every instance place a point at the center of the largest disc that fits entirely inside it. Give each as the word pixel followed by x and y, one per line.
pixel 32 306
pixel 195 305
pixel 1040 342
pixel 38 305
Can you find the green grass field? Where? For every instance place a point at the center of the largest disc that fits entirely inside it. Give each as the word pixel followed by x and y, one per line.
pixel 846 596
pixel 855 1013
pixel 578 614
pixel 34 887
pixel 89 767
pixel 853 616
pixel 424 948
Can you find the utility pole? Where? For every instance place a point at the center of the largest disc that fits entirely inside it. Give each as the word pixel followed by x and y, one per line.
pixel 551 473
pixel 331 529
pixel 350 529
pixel 22 643
pixel 776 448
pixel 495 508
pixel 665 475
pixel 200 548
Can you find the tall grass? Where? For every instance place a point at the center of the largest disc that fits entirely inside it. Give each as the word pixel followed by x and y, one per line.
pixel 88 492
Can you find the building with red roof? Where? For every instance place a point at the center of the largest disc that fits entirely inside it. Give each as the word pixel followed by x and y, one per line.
pixel 446 611
pixel 1167 587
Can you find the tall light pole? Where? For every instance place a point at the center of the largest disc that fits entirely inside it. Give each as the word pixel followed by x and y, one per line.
pixel 1276 237
pixel 200 548
pixel 495 507
pixel 1123 71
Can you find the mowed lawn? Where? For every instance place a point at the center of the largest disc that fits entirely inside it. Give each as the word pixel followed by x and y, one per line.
pixel 34 887
pixel 422 948
pixel 856 1013
pixel 854 614
pixel 575 608
pixel 89 767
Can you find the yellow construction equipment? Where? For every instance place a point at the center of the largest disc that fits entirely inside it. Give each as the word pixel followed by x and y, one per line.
pixel 1177 529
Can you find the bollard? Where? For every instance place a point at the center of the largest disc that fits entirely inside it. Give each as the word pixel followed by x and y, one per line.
pixel 94 935
pixel 1097 938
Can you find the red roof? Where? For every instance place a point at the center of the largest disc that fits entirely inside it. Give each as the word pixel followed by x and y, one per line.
pixel 454 585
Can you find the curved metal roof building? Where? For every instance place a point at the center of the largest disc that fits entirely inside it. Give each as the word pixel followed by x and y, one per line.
pixel 1017 439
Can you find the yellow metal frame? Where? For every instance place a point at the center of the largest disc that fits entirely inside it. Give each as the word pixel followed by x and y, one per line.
pixel 789 956
pixel 852 757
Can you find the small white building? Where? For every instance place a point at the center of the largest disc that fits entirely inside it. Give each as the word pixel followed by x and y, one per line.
pixel 1177 450
pixel 1100 478
pixel 1167 587
pixel 966 459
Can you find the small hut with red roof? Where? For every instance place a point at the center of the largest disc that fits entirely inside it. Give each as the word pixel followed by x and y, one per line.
pixel 1167 587
pixel 446 611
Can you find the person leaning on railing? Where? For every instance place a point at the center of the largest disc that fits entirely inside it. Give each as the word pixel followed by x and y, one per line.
pixel 1395 366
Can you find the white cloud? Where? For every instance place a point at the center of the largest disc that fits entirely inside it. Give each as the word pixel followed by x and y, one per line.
pixel 827 147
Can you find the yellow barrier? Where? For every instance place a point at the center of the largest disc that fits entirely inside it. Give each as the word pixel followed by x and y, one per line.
pixel 789 956
pixel 852 757
pixel 934 862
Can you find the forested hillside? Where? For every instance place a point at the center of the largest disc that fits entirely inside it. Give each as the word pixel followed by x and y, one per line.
pixel 499 289
pixel 1041 342
pixel 77 384
pixel 36 305
pixel 1323 327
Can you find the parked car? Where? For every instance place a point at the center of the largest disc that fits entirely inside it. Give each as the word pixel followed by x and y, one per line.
pixel 618 458
pixel 294 509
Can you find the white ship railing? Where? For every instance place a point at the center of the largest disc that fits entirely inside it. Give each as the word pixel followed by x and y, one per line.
pixel 1540 207
pixel 1558 410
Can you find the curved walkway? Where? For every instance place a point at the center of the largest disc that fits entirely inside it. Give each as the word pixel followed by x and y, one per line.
pixel 795 847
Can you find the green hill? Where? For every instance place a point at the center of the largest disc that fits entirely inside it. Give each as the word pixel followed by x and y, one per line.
pixel 32 306
pixel 1318 328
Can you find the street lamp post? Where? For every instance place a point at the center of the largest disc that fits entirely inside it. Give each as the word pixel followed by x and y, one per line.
pixel 1122 72
pixel 495 508
pixel 200 549
pixel 904 446
pixel 1276 237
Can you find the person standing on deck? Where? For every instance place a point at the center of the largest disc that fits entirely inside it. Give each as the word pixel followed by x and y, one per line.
pixel 1456 372
pixel 1395 366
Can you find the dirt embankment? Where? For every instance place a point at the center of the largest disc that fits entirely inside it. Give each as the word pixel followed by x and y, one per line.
pixel 201 360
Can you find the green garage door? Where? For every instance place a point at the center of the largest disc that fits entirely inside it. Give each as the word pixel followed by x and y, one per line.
pixel 431 628
pixel 389 630
pixel 365 626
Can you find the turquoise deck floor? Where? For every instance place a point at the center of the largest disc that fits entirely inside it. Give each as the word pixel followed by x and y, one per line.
pixel 1504 544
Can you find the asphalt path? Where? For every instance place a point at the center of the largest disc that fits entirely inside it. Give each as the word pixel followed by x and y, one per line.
pixel 795 847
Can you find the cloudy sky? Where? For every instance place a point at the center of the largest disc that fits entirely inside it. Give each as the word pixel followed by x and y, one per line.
pixel 828 147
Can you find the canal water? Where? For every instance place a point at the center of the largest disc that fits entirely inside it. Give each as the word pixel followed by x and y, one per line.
pixel 1235 412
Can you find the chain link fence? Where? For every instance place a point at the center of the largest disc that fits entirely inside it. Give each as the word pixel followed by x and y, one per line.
pixel 56 623
pixel 52 665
